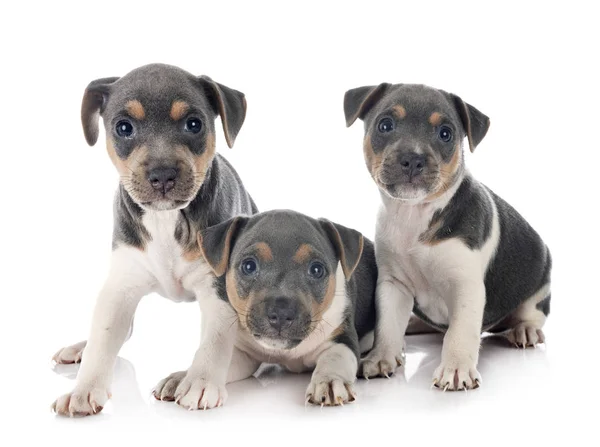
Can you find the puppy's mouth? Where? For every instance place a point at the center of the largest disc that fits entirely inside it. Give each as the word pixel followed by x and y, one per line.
pixel 164 205
pixel 271 342
pixel 403 190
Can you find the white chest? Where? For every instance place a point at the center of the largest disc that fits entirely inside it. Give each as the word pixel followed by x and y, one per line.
pixel 176 278
pixel 432 273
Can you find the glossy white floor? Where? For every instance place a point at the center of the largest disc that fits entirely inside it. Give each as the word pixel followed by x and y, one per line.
pixel 527 395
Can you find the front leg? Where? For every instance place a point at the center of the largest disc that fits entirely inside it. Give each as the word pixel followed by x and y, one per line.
pixel 203 386
pixel 333 377
pixel 126 284
pixel 460 352
pixel 242 366
pixel 394 303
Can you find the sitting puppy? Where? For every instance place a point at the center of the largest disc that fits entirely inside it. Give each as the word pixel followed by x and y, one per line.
pixel 303 290
pixel 160 135
pixel 447 247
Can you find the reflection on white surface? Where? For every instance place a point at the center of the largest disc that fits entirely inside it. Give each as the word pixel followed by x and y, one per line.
pixel 272 390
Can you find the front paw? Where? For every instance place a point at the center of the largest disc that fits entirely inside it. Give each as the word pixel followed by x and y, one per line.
pixel 190 391
pixel 382 363
pixel 456 376
pixel 81 402
pixel 329 390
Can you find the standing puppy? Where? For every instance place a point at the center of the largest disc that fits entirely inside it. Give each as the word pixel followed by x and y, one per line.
pixel 304 293
pixel 160 135
pixel 447 247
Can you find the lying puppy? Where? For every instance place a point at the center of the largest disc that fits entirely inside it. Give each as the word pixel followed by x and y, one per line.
pixel 160 135
pixel 303 290
pixel 447 247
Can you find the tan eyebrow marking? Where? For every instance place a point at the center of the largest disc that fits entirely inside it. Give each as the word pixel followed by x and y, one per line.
pixel 435 119
pixel 264 251
pixel 135 109
pixel 302 254
pixel 400 111
pixel 179 109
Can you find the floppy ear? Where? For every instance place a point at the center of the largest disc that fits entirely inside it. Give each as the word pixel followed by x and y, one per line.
pixel 92 106
pixel 217 241
pixel 358 101
pixel 348 245
pixel 475 123
pixel 229 104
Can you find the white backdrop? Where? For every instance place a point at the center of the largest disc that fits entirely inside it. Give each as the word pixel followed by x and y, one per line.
pixel 530 66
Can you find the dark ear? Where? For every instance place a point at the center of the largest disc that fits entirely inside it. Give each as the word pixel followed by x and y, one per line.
pixel 348 245
pixel 217 241
pixel 475 123
pixel 229 104
pixel 358 101
pixel 94 100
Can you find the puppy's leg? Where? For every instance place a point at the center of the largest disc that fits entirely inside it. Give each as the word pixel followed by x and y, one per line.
pixel 394 304
pixel 333 377
pixel 127 283
pixel 72 354
pixel 242 366
pixel 527 320
pixel 203 386
pixel 460 352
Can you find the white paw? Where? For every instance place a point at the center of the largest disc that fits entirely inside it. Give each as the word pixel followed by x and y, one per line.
pixel 329 390
pixel 525 336
pixel 456 376
pixel 166 388
pixel 381 362
pixel 191 391
pixel 70 354
pixel 81 402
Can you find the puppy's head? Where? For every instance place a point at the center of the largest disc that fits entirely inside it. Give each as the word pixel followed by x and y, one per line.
pixel 160 131
pixel 280 269
pixel 414 136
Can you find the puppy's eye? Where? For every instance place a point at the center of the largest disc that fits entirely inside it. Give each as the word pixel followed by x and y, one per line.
pixel 124 129
pixel 249 267
pixel 445 134
pixel 193 125
pixel 385 125
pixel 316 270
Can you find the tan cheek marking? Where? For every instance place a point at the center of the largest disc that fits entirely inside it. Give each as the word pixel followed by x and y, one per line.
pixel 128 167
pixel 240 304
pixel 135 109
pixel 372 159
pixel 435 119
pixel 447 172
pixel 400 111
pixel 302 254
pixel 203 161
pixel 264 252
pixel 178 110
pixel 318 309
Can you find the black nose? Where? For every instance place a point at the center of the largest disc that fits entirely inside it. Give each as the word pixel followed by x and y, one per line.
pixel 281 312
pixel 162 179
pixel 412 164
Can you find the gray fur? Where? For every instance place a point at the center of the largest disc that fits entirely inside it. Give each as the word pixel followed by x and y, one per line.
pixel 284 232
pixel 521 264
pixel 221 194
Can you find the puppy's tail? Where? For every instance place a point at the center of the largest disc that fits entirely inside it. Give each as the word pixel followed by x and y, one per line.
pixel 416 326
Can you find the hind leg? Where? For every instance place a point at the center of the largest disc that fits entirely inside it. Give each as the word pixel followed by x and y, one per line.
pixel 524 325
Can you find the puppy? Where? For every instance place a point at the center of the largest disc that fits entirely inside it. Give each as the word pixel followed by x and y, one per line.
pixel 160 135
pixel 303 290
pixel 447 247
